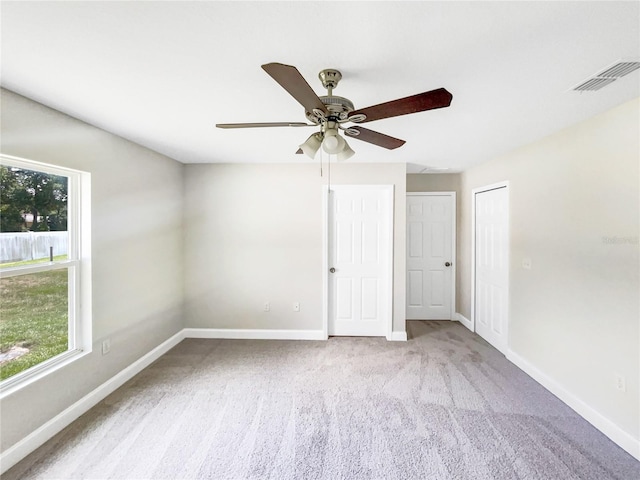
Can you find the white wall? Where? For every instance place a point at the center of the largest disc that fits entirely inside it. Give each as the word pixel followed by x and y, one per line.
pixel 136 246
pixel 575 315
pixel 253 233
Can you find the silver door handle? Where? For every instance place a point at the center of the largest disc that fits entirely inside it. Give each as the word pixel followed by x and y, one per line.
pixel 332 270
pixel 447 264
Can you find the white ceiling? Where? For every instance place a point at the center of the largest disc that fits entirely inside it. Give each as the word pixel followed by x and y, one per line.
pixel 162 74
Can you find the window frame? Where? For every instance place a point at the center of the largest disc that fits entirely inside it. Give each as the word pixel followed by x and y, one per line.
pixel 77 264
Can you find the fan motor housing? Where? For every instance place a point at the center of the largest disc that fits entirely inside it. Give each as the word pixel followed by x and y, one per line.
pixel 338 108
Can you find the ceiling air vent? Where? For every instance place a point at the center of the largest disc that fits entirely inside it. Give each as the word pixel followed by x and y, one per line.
pixel 607 76
pixel 594 84
pixel 620 69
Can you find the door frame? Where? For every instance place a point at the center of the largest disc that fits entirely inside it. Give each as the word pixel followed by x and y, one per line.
pixel 494 186
pixel 453 244
pixel 390 191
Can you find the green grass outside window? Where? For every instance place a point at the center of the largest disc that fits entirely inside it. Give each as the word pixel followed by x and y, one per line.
pixel 33 315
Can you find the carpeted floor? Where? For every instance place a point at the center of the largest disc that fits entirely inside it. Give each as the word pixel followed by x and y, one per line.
pixel 444 405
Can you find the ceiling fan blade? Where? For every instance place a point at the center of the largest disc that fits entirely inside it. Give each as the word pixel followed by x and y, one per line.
pixel 293 82
pixel 416 103
pixel 267 124
pixel 379 139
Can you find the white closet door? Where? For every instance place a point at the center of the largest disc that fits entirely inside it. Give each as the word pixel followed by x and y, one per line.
pixel 430 234
pixel 492 266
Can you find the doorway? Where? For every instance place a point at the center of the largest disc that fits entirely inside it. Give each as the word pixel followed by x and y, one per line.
pixel 431 240
pixel 490 277
pixel 359 260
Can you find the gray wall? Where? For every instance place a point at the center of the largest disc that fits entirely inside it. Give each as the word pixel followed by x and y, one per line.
pixel 253 233
pixel 574 211
pixel 433 182
pixel 136 252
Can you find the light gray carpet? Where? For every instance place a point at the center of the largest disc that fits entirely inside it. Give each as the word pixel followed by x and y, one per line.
pixel 444 405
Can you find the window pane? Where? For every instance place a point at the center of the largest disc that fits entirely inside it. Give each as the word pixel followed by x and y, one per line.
pixel 33 319
pixel 33 216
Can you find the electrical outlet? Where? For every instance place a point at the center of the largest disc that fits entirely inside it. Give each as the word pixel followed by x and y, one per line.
pixel 621 383
pixel 267 306
pixel 296 307
pixel 106 346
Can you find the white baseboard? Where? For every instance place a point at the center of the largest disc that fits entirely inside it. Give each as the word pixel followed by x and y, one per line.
pixel 35 439
pixel 458 317
pixel 606 426
pixel 254 334
pixel 397 337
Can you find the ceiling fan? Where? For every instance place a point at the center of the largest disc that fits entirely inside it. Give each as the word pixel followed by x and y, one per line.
pixel 331 113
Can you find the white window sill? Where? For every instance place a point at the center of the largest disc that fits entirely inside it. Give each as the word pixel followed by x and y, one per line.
pixel 21 380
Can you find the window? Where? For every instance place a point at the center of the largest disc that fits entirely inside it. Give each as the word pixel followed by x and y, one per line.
pixel 44 269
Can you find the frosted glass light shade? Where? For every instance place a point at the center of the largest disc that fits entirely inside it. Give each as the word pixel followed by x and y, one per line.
pixel 311 146
pixel 332 143
pixel 345 153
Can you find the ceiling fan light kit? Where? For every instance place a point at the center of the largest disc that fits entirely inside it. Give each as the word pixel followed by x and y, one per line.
pixel 331 112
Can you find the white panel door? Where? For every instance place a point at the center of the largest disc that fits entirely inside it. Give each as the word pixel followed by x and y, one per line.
pixel 360 258
pixel 430 227
pixel 492 266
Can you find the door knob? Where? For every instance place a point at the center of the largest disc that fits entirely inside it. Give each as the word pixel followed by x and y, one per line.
pixel 447 264
pixel 332 270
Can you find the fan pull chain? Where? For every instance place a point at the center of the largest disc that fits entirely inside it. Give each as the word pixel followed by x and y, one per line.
pixel 328 169
pixel 329 172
